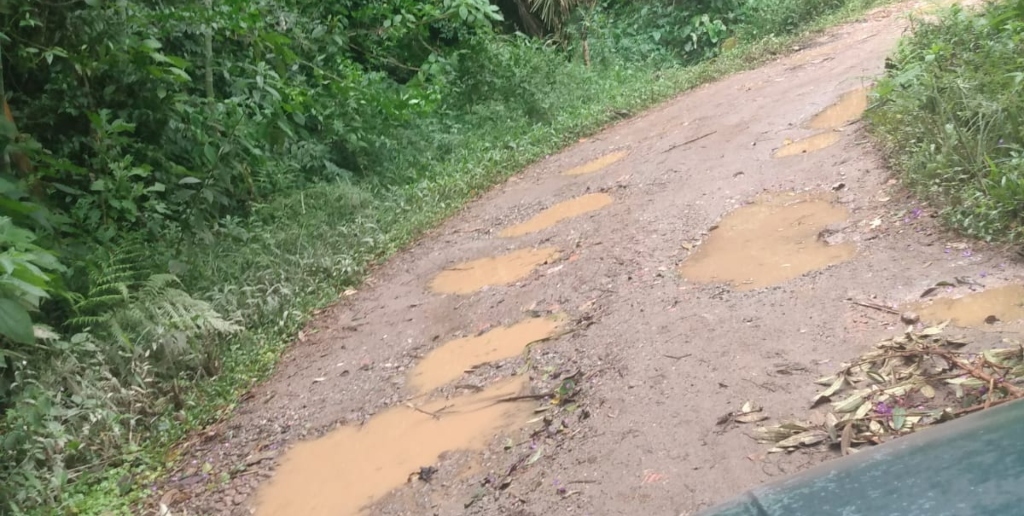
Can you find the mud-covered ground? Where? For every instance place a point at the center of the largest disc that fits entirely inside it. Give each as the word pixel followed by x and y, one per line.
pixel 708 274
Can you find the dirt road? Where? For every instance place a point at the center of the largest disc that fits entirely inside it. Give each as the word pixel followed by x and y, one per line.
pixel 700 263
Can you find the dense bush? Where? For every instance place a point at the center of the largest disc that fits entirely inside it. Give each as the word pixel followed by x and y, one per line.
pixel 952 113
pixel 187 180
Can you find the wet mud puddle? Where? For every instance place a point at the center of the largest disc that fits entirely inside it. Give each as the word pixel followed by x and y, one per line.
pixel 597 164
pixel 471 276
pixel 766 243
pixel 1005 304
pixel 559 212
pixel 810 144
pixel 451 360
pixel 352 467
pixel 848 108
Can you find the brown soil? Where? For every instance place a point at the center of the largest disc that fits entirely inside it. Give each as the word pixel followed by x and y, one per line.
pixel 847 109
pixel 769 242
pixel 1003 304
pixel 617 411
pixel 559 212
pixel 810 144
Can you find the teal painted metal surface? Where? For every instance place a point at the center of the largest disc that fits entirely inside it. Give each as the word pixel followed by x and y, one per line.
pixel 973 466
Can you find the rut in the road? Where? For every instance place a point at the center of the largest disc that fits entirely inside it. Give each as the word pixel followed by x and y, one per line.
pixel 763 244
pixel 707 254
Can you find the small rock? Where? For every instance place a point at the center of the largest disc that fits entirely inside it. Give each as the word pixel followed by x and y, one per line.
pixel 838 186
pixel 991 319
pixel 239 499
pixel 910 318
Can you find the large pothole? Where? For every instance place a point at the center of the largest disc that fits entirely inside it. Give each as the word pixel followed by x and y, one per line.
pixel 1004 304
pixel 343 472
pixel 471 276
pixel 559 212
pixel 597 164
pixel 769 242
pixel 848 108
pixel 450 361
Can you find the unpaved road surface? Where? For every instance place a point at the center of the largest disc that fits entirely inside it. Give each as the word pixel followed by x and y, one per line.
pixel 691 271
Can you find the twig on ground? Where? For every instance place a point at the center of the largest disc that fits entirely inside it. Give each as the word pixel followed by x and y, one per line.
pixel 874 306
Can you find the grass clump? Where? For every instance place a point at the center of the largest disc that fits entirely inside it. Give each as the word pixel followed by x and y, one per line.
pixel 951 115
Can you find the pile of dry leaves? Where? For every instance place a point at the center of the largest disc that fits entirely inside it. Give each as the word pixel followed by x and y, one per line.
pixel 911 381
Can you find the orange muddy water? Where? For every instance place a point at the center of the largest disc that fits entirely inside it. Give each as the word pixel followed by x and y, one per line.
pixel 559 212
pixel 1005 303
pixel 344 471
pixel 848 108
pixel 809 144
pixel 468 277
pixel 769 242
pixel 451 360
pixel 597 164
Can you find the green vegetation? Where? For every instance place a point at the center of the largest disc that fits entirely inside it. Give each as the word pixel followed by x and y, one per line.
pixel 952 115
pixel 187 182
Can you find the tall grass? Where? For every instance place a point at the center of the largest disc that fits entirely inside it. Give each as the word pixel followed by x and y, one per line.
pixel 951 115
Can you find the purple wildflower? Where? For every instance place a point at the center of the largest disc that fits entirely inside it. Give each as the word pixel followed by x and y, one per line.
pixel 882 409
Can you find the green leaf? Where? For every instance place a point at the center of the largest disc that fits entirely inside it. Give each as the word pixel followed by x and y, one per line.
pixel 180 73
pixel 15 322
pixel 210 152
pixel 899 418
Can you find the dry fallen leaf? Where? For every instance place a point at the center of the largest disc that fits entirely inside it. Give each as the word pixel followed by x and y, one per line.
pixel 878 388
pixel 808 438
pixel 754 417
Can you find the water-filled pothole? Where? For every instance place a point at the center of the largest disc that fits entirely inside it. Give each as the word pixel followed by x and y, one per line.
pixel 344 471
pixel 474 275
pixel 596 165
pixel 1003 303
pixel 848 108
pixel 773 240
pixel 451 360
pixel 810 144
pixel 559 212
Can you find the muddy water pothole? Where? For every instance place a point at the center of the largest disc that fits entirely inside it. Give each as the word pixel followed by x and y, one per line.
pixel 451 360
pixel 468 277
pixel 810 144
pixel 559 212
pixel 1004 304
pixel 352 467
pixel 597 164
pixel 769 242
pixel 849 107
